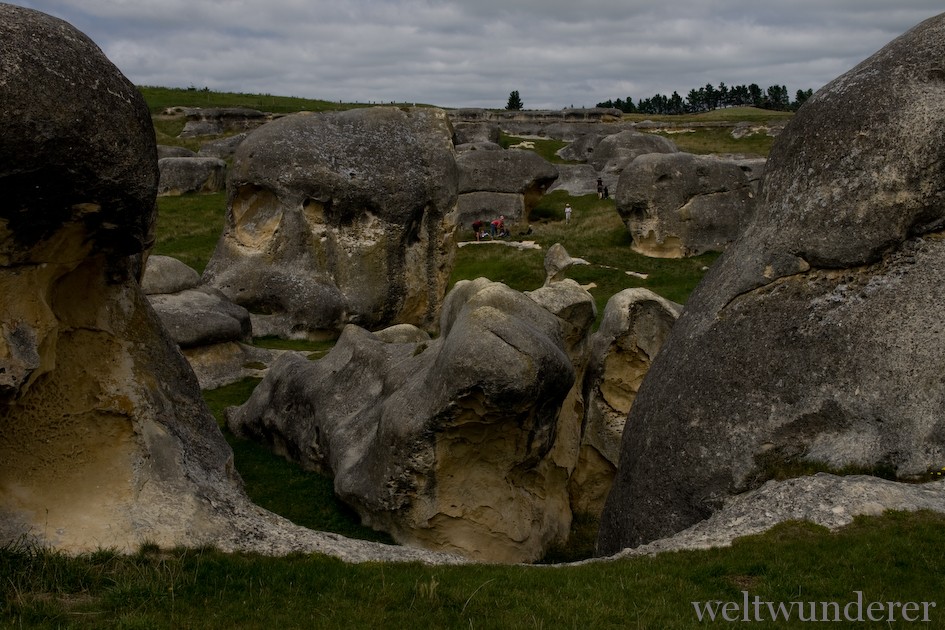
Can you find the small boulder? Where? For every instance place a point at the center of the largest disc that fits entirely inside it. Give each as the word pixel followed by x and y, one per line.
pixel 164 274
pixel 181 175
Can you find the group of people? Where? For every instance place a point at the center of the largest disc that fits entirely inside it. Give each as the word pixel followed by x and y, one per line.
pixel 494 229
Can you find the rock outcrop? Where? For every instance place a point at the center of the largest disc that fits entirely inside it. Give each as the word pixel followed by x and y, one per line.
pixel 678 204
pixel 816 336
pixel 501 183
pixel 215 121
pixel 182 175
pixel 453 443
pixel 634 326
pixel 340 218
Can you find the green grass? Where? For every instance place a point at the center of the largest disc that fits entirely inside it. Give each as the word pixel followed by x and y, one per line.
pixel 189 226
pixel 306 498
pixel 895 557
pixel 545 147
pixel 702 141
pixel 727 114
pixel 160 98
pixel 595 234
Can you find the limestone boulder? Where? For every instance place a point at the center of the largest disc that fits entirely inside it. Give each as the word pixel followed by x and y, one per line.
pixel 475 132
pixel 222 148
pixel 520 176
pixel 678 204
pixel 104 439
pixel 634 326
pixel 452 443
pixel 201 316
pixel 339 218
pixel 615 152
pixel 165 274
pixel 182 175
pixel 816 335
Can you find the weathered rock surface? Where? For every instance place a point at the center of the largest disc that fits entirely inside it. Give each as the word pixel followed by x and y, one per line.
pixel 678 204
pixel 104 438
pixel 201 317
pixel 475 132
pixel 521 177
pixel 166 151
pixel 815 336
pixel 222 148
pixel 182 175
pixel 635 324
pixel 165 274
pixel 580 179
pixel 616 151
pixel 215 121
pixel 452 443
pixel 338 218
pixel 826 500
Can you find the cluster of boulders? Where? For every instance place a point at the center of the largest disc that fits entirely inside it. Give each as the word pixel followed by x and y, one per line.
pixel 480 441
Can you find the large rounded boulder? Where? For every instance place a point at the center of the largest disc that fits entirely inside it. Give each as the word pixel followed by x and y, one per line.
pixel 816 337
pixel 679 204
pixel 340 218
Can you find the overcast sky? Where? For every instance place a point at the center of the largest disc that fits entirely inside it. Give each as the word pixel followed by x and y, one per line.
pixel 473 53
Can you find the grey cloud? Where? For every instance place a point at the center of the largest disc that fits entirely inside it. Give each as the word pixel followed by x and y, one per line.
pixel 451 53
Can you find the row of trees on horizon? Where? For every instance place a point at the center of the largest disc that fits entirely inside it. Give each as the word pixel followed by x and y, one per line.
pixel 709 97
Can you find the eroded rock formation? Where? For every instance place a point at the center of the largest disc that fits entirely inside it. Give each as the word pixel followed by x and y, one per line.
pixel 501 183
pixel 635 324
pixel 340 218
pixel 678 204
pixel 816 335
pixel 453 443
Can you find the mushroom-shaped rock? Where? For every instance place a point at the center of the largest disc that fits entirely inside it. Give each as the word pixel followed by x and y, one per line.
pixel 340 217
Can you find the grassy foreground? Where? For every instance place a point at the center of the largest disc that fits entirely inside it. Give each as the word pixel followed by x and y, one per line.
pixel 896 557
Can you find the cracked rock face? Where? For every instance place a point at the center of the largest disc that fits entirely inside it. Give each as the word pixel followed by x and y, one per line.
pixel 340 218
pixel 817 334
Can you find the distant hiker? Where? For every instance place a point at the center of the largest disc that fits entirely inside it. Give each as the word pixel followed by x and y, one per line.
pixel 497 227
pixel 567 213
pixel 600 188
pixel 477 228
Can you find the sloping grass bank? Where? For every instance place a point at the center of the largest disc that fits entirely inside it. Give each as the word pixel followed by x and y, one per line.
pixel 893 558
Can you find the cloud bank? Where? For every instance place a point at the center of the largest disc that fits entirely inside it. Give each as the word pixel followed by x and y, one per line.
pixel 455 53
